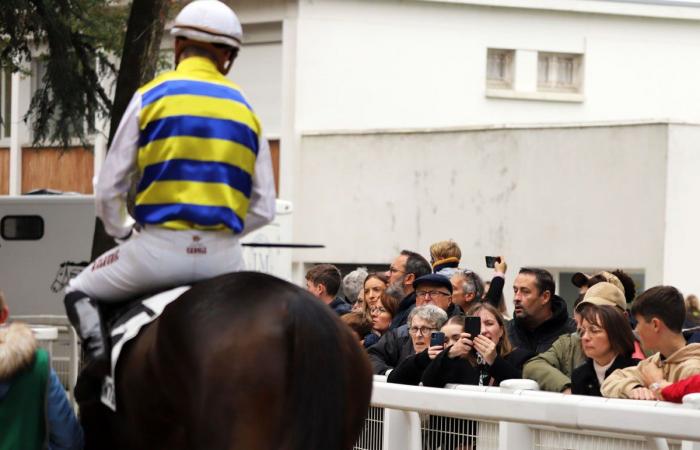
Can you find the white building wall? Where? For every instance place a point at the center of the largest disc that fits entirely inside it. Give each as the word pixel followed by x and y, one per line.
pixel 554 197
pixel 682 212
pixel 387 64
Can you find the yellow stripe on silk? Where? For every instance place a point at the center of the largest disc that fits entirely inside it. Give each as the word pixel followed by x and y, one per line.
pixel 200 106
pixel 187 147
pixel 193 192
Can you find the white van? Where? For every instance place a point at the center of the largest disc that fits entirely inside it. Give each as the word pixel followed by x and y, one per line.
pixel 47 239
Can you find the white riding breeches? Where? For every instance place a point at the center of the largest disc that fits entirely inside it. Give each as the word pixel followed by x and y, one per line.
pixel 158 258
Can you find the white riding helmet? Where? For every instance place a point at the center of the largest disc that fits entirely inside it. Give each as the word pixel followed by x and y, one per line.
pixel 208 21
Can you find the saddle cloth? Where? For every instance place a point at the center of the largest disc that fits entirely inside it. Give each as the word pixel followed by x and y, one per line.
pixel 128 327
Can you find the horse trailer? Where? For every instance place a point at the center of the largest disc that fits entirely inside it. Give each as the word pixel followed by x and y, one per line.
pixel 46 239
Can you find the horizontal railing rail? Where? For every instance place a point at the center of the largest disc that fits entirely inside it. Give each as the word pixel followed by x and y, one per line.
pixel 523 413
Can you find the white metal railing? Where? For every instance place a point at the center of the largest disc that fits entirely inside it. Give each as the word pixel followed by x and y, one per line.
pixel 465 417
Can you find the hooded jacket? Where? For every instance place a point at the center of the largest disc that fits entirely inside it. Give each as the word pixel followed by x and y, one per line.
pixel 541 338
pixel 684 363
pixel 34 409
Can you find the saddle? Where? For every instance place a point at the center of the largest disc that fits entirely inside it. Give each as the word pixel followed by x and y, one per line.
pixel 121 323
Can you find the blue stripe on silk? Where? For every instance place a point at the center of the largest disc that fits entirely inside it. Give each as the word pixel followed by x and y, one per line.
pixel 204 171
pixel 191 87
pixel 201 215
pixel 202 127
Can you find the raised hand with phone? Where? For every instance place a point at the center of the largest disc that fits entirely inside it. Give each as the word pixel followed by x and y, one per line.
pixel 465 345
pixel 437 344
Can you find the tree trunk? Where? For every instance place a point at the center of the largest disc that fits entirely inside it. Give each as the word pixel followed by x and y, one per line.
pixel 138 65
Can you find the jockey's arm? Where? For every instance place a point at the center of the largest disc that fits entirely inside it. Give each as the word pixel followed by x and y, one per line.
pixel 261 209
pixel 114 181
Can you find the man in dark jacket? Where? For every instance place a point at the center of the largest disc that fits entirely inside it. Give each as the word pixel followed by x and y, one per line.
pixel 540 316
pixel 403 271
pixel 323 281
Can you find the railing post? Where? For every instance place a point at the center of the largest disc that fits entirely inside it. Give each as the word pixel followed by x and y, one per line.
pixel 691 401
pixel 514 436
pixel 401 430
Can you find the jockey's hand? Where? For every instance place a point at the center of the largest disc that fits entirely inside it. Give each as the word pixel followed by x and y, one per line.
pixel 132 233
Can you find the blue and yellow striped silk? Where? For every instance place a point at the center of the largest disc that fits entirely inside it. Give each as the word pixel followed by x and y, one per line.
pixel 197 148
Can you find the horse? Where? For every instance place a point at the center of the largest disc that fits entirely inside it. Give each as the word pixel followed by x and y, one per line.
pixel 241 361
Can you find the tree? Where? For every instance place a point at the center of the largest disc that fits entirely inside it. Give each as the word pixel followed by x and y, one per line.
pixel 80 36
pixel 138 64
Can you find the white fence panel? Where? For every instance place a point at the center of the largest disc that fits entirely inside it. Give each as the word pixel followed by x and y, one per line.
pixel 487 418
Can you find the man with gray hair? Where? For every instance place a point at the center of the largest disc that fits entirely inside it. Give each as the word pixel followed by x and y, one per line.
pixel 396 345
pixel 353 284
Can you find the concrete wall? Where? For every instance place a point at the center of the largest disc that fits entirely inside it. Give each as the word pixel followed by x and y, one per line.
pixel 560 198
pixel 682 213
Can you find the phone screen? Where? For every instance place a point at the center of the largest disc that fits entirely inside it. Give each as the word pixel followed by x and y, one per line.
pixel 491 261
pixel 437 338
pixel 472 325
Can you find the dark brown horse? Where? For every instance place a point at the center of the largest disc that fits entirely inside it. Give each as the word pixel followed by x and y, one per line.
pixel 242 361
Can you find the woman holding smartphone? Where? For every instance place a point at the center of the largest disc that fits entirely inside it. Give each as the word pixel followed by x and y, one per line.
pixel 423 325
pixel 485 359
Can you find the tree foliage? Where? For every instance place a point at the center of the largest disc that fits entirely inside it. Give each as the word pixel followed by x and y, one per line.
pixel 77 40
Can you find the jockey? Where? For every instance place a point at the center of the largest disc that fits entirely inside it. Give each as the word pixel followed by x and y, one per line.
pixel 193 147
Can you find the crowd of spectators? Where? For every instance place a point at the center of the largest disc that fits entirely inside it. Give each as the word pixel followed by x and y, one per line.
pixel 415 321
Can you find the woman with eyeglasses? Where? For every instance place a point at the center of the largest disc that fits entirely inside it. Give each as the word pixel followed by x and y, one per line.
pixel 608 343
pixel 381 313
pixel 484 360
pixel 422 322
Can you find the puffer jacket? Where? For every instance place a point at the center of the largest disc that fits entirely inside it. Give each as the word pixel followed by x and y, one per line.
pixel 679 365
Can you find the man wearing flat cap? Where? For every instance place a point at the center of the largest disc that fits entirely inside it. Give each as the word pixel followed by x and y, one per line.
pixel 395 345
pixel 436 289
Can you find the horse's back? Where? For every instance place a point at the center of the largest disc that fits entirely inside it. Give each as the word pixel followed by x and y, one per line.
pixel 246 360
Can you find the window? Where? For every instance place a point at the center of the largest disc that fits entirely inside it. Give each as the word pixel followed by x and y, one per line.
pixel 559 72
pixel 499 68
pixel 22 228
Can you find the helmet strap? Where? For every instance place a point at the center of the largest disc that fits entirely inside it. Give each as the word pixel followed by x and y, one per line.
pixel 218 54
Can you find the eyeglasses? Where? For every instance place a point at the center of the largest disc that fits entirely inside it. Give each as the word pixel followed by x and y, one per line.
pixel 592 331
pixel 423 331
pixel 377 310
pixel 393 269
pixel 431 293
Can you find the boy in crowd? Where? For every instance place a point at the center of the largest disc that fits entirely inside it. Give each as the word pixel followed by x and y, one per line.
pixel 660 313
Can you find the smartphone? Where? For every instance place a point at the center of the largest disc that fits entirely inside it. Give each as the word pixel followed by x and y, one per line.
pixel 492 260
pixel 437 338
pixel 472 325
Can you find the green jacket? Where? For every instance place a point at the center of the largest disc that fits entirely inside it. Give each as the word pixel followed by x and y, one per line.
pixel 22 409
pixel 552 368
